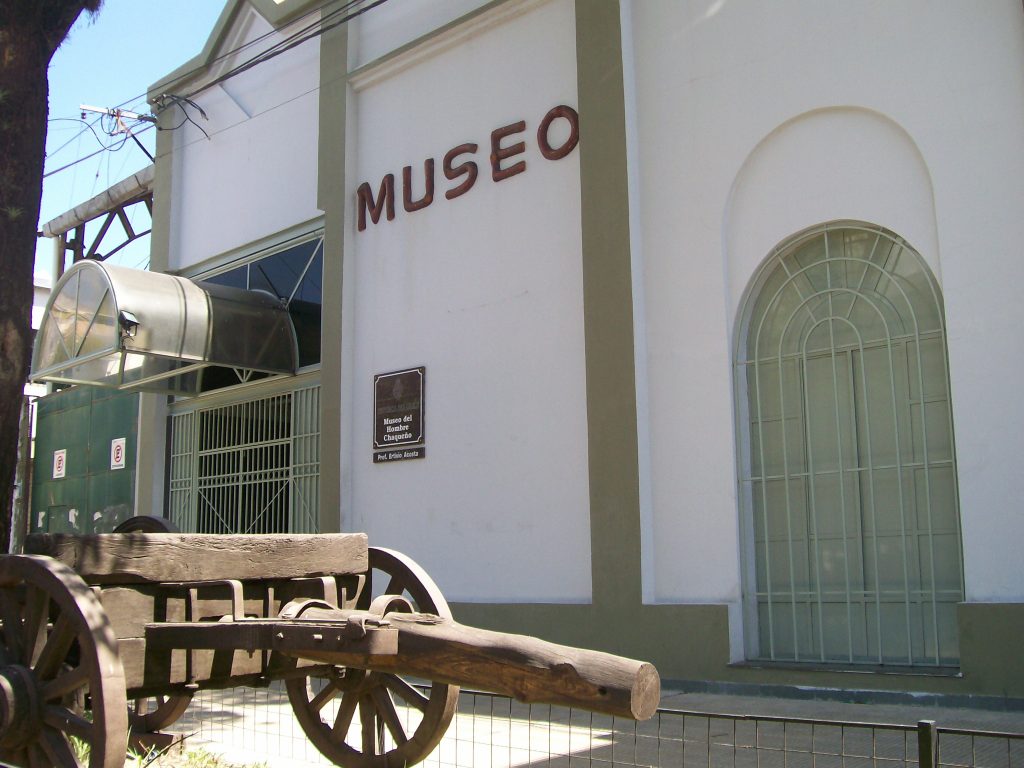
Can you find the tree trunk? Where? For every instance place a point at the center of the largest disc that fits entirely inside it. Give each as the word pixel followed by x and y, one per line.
pixel 30 32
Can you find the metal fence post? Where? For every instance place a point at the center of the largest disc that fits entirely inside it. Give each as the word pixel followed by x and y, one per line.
pixel 927 744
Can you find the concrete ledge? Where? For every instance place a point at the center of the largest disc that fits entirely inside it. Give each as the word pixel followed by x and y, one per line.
pixel 848 695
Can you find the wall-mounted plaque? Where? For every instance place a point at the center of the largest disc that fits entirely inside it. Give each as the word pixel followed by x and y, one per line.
pixel 398 413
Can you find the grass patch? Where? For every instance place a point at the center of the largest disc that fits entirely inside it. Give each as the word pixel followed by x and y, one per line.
pixel 195 758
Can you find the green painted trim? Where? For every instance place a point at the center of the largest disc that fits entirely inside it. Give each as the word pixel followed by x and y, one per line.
pixel 253 251
pixel 282 12
pixel 678 639
pixel 253 390
pixel 990 657
pixel 615 524
pixel 198 64
pixel 163 186
pixel 331 199
pixel 417 42
pixel 690 644
pixel 91 497
pixel 151 458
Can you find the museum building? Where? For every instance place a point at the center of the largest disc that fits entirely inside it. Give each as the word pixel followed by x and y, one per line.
pixel 647 325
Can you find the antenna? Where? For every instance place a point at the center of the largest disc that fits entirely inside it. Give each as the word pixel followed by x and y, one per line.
pixel 120 115
pixel 116 113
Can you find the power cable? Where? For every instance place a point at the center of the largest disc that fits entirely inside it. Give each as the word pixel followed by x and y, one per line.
pixel 182 101
pixel 88 126
pixel 256 40
pixel 107 148
pixel 316 29
pixel 143 96
pixel 298 38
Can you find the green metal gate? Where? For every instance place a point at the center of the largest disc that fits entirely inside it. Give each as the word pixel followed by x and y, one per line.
pixel 249 466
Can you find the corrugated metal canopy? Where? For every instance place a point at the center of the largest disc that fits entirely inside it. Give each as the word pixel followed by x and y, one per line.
pixel 130 329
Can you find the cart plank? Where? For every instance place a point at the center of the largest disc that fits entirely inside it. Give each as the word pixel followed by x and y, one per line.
pixel 129 558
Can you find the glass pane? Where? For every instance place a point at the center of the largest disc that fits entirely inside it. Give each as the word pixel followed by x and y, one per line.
pixel 279 273
pixel 50 347
pixel 64 312
pixel 235 278
pixel 103 334
pixel 295 273
pixel 305 311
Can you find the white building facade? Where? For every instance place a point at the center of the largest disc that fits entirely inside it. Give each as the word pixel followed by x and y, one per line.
pixel 700 291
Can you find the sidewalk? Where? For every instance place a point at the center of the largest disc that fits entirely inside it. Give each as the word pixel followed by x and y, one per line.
pixel 256 726
pixel 817 706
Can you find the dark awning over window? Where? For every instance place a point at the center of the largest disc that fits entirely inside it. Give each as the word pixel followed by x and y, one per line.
pixel 130 329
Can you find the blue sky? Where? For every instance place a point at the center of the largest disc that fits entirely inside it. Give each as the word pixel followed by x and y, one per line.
pixel 110 60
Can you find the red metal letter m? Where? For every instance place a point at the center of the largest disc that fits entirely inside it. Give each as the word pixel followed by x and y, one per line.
pixel 385 199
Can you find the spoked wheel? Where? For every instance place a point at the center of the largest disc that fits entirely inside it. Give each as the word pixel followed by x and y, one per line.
pixel 62 687
pixel 146 524
pixel 152 713
pixel 362 719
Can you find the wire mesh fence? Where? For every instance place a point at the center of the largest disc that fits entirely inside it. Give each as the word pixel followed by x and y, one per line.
pixel 254 725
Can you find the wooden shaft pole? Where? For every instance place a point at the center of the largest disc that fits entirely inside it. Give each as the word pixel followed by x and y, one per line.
pixel 526 668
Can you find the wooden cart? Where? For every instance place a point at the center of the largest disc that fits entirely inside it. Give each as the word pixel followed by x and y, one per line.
pixel 110 631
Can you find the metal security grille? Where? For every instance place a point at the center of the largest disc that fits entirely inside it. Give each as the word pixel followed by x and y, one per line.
pixel 849 477
pixel 305 465
pixel 491 731
pixel 247 467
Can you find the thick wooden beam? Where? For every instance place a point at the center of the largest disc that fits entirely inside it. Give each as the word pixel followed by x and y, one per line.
pixel 291 637
pixel 523 667
pixel 131 558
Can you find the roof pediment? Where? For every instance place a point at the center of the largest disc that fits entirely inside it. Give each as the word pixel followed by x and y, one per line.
pixel 224 36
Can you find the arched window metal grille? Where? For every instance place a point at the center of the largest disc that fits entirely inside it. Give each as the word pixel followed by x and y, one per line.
pixel 848 472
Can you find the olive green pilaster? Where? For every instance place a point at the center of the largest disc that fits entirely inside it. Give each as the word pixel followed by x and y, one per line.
pixel 151 460
pixel 612 621
pixel 331 200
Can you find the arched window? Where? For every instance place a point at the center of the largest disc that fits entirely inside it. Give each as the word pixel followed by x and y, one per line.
pixel 847 469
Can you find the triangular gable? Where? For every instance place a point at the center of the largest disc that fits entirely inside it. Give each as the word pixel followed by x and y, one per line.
pixel 229 28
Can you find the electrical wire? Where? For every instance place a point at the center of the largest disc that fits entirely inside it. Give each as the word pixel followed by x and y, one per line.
pixel 316 29
pixel 182 101
pixel 297 38
pixel 142 97
pixel 88 126
pixel 105 148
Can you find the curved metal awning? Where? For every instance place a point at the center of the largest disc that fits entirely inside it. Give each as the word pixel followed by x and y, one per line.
pixel 130 329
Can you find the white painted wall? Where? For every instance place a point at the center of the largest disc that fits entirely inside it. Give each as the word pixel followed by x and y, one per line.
pixel 756 120
pixel 486 291
pixel 256 174
pixel 748 122
pixel 388 27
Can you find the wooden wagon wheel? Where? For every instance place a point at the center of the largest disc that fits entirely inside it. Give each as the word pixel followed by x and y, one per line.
pixel 148 714
pixel 146 524
pixel 153 713
pixel 57 651
pixel 367 730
